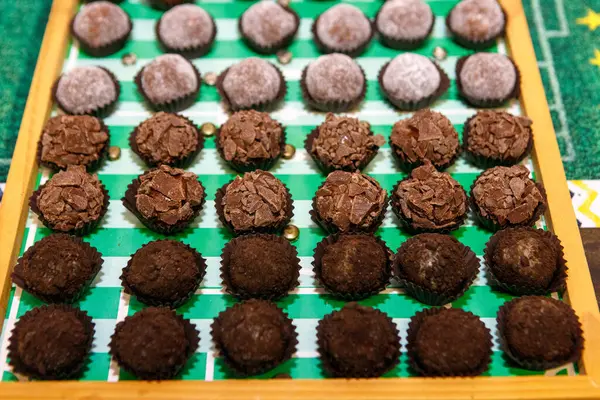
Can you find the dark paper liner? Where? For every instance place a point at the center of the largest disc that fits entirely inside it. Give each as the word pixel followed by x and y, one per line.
pixel 261 106
pixel 153 301
pixel 475 44
pixel 317 267
pixel 489 162
pixel 413 330
pixel 410 226
pixel 355 52
pixel 164 5
pixel 190 51
pixel 84 230
pixel 332 106
pixel 283 43
pixel 192 337
pixel 154 224
pixel 431 298
pixel 92 253
pixel 76 371
pixel 241 293
pixel 328 366
pixel 243 372
pixel 487 103
pixel 100 112
pixel 104 50
pixel 560 275
pixel 536 365
pixel 402 44
pixel 179 163
pixel 423 103
pixel 276 229
pixel 172 106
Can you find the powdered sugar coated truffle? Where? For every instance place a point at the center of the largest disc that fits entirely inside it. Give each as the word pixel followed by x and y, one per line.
pixel 267 23
pixel 488 76
pixel 250 82
pixel 343 27
pixel 477 19
pixel 168 77
pixel 405 19
pixel 411 77
pixel 101 23
pixel 334 77
pixel 85 89
pixel 186 26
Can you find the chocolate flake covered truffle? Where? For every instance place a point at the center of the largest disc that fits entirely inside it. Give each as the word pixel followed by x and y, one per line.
pixel 254 337
pixel 342 28
pixel 476 24
pixel 186 29
pixel 404 24
pixel 358 342
pixel 268 26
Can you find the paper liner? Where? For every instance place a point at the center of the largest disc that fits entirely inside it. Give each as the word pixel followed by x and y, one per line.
pixel 429 297
pixel 153 301
pixel 104 50
pixel 76 370
pixel 560 275
pixel 63 297
pixel 100 112
pixel 164 5
pixel 183 162
pixel 487 103
pixel 192 337
pixel 354 52
pixel 172 106
pixel 413 362
pixel 475 44
pixel 328 366
pixel 337 106
pixel 190 51
pixel 347 296
pixel 155 224
pixel 84 230
pixel 243 371
pixel 260 106
pixel 402 44
pixel 240 293
pixel 531 364
pixel 283 43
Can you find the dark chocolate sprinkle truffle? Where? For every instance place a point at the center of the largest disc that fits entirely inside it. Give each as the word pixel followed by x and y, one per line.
pixel 476 23
pixel 186 29
pixel 87 90
pixel 154 343
pixel 404 24
pixel 342 28
pixel 254 337
pixel 358 342
pixel 268 26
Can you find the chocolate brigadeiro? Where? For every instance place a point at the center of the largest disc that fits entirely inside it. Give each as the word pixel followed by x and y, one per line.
pixel 448 342
pixel 506 197
pixel 476 24
pixel 186 29
pixel 349 201
pixel 72 201
pixel 487 79
pixel 251 140
pixel 164 273
pixel 268 26
pixel 358 342
pixel 427 135
pixel 169 83
pixel 254 337
pixel 101 28
pixel 353 266
pixel 73 140
pixel 154 343
pixel 51 342
pixel 165 199
pixel 342 28
pixel 526 261
pixel 87 90
pixel 167 138
pixel 58 268
pixel 333 82
pixel 435 269
pixel 404 24
pixel 539 333
pixel 251 83
pixel 343 143
pixel 254 202
pixel 167 4
pixel 430 201
pixel 412 81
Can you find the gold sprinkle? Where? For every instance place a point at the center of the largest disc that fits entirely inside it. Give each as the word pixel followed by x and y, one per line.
pixel 289 151
pixel 284 57
pixel 440 53
pixel 284 3
pixel 208 129
pixel 210 78
pixel 291 232
pixel 114 153
pixel 129 59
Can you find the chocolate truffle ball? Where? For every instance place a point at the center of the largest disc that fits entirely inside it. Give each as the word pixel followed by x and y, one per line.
pixel 476 23
pixel 448 342
pixel 186 29
pixel 73 140
pixel 101 28
pixel 404 24
pixel 343 28
pixel 254 337
pixel 427 135
pixel 87 90
pixel 51 342
pixel 430 201
pixel 268 26
pixel 358 342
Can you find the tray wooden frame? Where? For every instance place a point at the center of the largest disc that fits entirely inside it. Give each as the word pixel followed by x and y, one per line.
pixel 560 218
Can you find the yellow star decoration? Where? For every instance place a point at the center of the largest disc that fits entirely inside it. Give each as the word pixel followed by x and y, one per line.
pixel 596 59
pixel 592 20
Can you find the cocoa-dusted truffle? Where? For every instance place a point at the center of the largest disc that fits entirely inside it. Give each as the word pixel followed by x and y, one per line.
pixel 254 337
pixel 342 28
pixel 349 201
pixel 427 135
pixel 268 26
pixel 186 29
pixel 430 201
pixel 476 24
pixel 404 24
pixel 358 342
